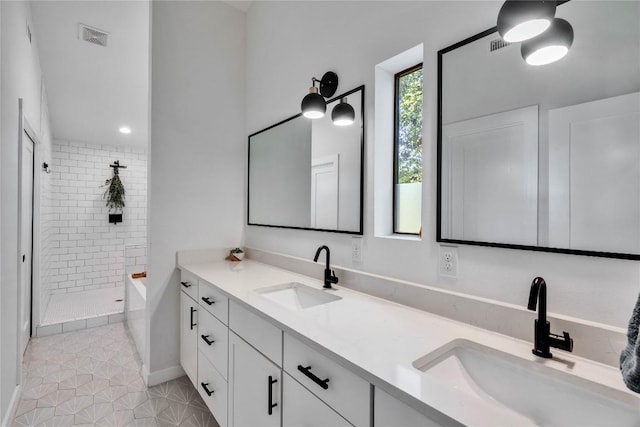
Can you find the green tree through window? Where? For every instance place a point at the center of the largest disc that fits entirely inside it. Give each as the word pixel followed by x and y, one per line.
pixel 408 151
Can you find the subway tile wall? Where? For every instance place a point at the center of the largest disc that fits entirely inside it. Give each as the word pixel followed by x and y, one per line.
pixel 84 251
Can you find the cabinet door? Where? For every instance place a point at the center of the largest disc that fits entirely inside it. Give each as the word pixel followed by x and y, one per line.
pixel 255 384
pixel 189 336
pixel 390 412
pixel 303 409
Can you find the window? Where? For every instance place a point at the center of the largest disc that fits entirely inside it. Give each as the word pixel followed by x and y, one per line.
pixel 407 168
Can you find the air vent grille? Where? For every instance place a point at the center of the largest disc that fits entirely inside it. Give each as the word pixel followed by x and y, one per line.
pixel 497 44
pixel 93 35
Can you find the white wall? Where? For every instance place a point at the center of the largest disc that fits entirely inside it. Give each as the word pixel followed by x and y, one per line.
pixel 197 154
pixel 21 78
pixel 87 252
pixel 287 42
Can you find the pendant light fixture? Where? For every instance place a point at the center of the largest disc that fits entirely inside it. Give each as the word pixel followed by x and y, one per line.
pixel 343 113
pixel 549 46
pixel 520 20
pixel 313 104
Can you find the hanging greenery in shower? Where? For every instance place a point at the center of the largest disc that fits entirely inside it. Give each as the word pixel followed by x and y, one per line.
pixel 114 194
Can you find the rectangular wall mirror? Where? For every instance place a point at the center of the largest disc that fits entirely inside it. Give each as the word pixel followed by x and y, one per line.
pixel 544 157
pixel 307 174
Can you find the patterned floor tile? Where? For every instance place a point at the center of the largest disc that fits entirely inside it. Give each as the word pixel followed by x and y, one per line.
pixel 74 405
pixel 33 418
pixel 92 378
pixel 56 398
pixel 25 406
pixel 93 413
pixel 151 408
pixel 130 401
pixel 116 419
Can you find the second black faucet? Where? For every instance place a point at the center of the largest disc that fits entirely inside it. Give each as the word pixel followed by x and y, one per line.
pixel 329 275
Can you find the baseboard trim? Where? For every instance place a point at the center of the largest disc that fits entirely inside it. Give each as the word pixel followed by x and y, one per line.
pixel 163 375
pixel 13 405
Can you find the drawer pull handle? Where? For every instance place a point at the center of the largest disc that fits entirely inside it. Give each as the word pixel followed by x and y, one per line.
pixel 206 339
pixel 208 300
pixel 272 405
pixel 206 389
pixel 310 375
pixel 193 310
pixel 186 284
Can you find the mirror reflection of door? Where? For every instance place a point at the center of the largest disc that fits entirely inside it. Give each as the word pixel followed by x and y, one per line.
pixel 26 238
pixel 490 182
pixel 324 192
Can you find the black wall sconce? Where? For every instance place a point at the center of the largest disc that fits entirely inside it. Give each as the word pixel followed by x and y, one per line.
pixel 545 39
pixel 314 104
pixel 45 167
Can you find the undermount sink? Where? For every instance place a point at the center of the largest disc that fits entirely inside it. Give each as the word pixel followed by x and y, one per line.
pixel 297 296
pixel 523 389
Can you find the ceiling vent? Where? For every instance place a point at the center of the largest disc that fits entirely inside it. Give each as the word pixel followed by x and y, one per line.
pixel 497 44
pixel 92 35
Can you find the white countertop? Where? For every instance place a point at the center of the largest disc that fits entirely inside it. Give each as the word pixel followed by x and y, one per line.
pixel 379 339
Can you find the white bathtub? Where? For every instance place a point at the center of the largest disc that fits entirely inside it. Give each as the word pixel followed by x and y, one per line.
pixel 135 305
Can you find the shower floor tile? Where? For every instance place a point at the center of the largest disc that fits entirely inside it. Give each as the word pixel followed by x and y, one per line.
pixel 75 306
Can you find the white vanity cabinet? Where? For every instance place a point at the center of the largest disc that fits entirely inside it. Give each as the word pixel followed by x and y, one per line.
pixel 390 412
pixel 338 387
pixel 189 336
pixel 254 387
pixel 302 408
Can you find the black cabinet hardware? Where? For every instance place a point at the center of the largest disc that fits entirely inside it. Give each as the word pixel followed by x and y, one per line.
pixel 208 300
pixel 206 339
pixel 272 405
pixel 186 284
pixel 206 389
pixel 193 310
pixel 309 374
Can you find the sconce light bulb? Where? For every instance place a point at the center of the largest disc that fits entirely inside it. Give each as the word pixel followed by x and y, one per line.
pixel 343 114
pixel 313 105
pixel 550 46
pixel 520 20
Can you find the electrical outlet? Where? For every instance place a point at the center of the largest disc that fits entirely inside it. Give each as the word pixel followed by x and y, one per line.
pixel 356 249
pixel 448 261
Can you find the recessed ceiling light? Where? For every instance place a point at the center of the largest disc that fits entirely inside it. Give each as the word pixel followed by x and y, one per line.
pixel 125 129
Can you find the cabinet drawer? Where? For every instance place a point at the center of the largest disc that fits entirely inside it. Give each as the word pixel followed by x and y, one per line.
pixel 258 332
pixel 214 301
pixel 189 284
pixel 213 389
pixel 390 412
pixel 302 408
pixel 213 341
pixel 338 387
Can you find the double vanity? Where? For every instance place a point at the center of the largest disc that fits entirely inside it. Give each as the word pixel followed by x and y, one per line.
pixel 268 347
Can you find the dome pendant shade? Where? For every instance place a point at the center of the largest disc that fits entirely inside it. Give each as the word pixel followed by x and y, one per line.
pixel 313 104
pixel 550 46
pixel 523 20
pixel 343 114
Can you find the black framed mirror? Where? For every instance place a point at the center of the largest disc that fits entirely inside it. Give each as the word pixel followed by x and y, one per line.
pixel 308 174
pixel 544 158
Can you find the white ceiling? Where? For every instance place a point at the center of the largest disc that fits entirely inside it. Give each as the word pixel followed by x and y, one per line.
pixel 93 90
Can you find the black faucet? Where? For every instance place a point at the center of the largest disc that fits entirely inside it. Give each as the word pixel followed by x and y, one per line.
pixel 543 338
pixel 329 276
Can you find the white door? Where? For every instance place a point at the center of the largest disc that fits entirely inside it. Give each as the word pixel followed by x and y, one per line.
pixel 26 238
pixel 324 192
pixel 594 175
pixel 490 178
pixel 255 384
pixel 189 336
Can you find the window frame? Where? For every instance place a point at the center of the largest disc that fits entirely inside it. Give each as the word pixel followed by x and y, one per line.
pixel 396 136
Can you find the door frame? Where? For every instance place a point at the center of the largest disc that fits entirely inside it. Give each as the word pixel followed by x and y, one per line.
pixel 24 127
